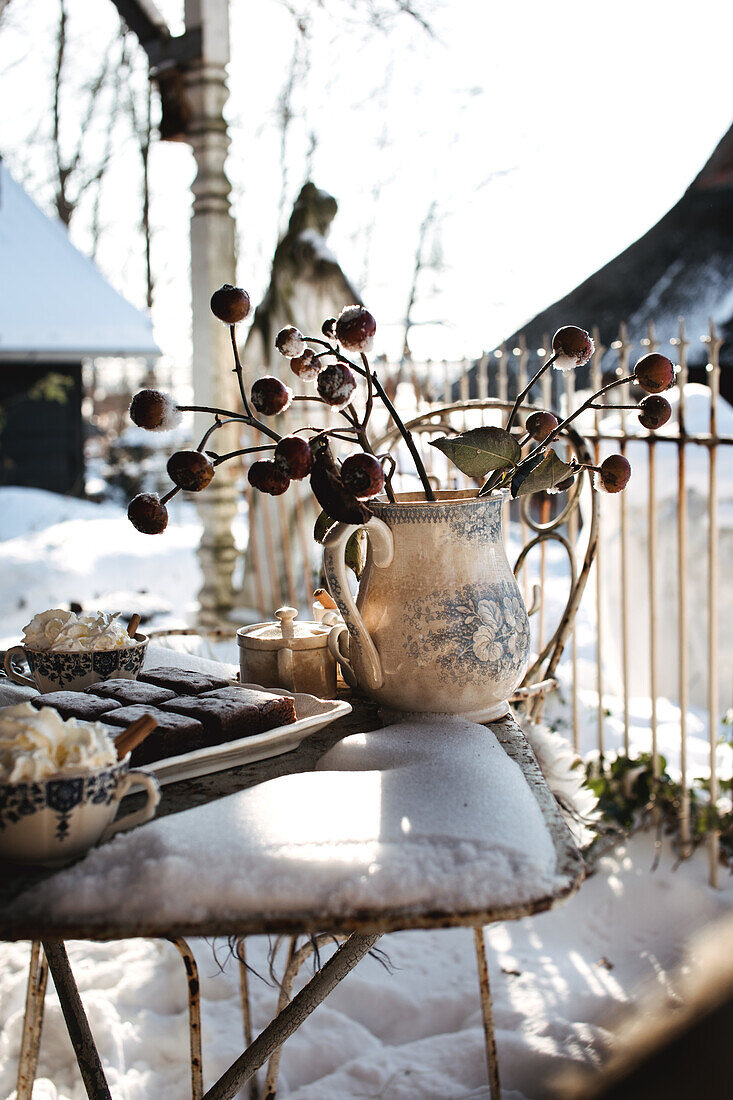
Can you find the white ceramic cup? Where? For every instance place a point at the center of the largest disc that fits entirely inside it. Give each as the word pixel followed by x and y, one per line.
pixel 52 821
pixel 74 671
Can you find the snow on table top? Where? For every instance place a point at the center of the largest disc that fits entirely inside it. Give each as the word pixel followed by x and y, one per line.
pixel 425 815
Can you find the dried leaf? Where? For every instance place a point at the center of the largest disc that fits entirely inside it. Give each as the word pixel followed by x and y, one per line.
pixel 322 526
pixel 544 473
pixel 480 450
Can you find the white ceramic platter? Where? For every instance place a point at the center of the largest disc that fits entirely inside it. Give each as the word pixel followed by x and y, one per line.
pixel 311 714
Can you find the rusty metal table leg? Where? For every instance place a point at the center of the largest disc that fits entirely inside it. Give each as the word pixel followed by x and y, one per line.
pixel 32 1022
pixel 194 1018
pixel 292 1016
pixel 77 1024
pixel 241 952
pixel 487 1012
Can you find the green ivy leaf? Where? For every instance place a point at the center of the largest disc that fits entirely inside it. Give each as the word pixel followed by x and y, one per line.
pixel 545 474
pixel 322 526
pixel 480 450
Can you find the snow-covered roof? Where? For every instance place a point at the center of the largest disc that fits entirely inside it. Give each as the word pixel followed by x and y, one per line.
pixel 54 303
pixel 683 266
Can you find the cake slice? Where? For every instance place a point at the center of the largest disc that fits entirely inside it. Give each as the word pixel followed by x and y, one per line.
pixel 222 719
pixel 130 693
pixel 180 681
pixel 274 710
pixel 76 704
pixel 176 733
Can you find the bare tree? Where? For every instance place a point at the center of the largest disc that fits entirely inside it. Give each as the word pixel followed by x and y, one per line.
pixel 73 176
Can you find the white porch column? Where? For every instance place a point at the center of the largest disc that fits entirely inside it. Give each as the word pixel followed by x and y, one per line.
pixel 212 263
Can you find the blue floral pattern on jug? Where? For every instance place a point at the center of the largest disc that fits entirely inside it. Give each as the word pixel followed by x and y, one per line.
pixel 486 636
pixel 469 519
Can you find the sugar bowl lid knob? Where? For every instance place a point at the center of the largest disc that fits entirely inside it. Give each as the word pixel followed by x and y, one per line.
pixel 287 617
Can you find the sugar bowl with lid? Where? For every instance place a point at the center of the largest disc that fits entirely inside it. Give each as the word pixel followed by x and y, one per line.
pixel 290 654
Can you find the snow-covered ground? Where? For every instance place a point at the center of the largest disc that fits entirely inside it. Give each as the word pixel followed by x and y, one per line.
pixel 558 979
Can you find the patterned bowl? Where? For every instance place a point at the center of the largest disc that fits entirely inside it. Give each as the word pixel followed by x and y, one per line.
pixel 52 821
pixel 76 671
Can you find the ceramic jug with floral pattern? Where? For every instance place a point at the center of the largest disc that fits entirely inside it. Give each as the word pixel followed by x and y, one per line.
pixel 439 623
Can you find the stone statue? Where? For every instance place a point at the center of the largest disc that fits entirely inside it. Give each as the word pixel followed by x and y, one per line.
pixel 307 285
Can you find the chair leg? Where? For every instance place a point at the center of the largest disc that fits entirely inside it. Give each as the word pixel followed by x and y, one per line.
pixel 254 1091
pixel 32 1022
pixel 194 1017
pixel 488 1013
pixel 296 958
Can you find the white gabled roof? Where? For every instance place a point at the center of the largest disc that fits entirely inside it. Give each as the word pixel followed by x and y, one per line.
pixel 54 303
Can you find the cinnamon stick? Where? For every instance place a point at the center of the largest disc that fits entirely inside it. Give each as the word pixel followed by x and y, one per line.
pixel 325 599
pixel 133 624
pixel 134 735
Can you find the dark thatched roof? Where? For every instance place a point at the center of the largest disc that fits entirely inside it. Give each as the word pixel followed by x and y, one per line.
pixel 683 266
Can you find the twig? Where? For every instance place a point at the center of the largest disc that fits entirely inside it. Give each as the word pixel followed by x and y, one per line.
pixel 521 396
pixel 238 370
pixel 492 482
pixel 218 459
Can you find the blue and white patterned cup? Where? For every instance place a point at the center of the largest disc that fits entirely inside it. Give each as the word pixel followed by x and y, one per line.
pixel 52 821
pixel 74 671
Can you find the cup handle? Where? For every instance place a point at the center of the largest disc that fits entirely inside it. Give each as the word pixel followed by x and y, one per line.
pixel 338 633
pixel 380 553
pixel 134 779
pixel 17 677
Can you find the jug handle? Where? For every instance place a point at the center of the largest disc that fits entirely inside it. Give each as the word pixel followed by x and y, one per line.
pixel 381 545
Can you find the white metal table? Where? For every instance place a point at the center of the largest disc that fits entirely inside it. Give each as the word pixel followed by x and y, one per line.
pixel 360 926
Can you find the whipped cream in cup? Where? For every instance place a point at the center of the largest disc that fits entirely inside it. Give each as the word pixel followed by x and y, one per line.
pixel 61 785
pixel 58 631
pixel 36 744
pixel 69 652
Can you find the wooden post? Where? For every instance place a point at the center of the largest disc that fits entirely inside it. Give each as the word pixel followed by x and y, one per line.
pixel 212 263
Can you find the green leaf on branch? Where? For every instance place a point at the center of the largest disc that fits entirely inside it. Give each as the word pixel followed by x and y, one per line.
pixel 355 552
pixel 480 450
pixel 545 473
pixel 322 526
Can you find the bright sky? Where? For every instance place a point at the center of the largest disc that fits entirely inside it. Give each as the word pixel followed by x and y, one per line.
pixel 549 136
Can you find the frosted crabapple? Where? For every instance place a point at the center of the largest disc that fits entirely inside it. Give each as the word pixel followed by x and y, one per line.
pixel 573 347
pixel 336 384
pixel 614 473
pixel 190 470
pixel 290 342
pixel 541 424
pixel 230 304
pixel 269 395
pixel 154 410
pixel 654 372
pixel 147 513
pixel 306 366
pixel 355 329
pixel 655 411
pixel 293 457
pixel 328 328
pixel 266 476
pixel 362 475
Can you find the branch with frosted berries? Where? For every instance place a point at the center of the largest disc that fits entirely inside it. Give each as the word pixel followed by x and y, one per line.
pixel 344 488
pixel 495 452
